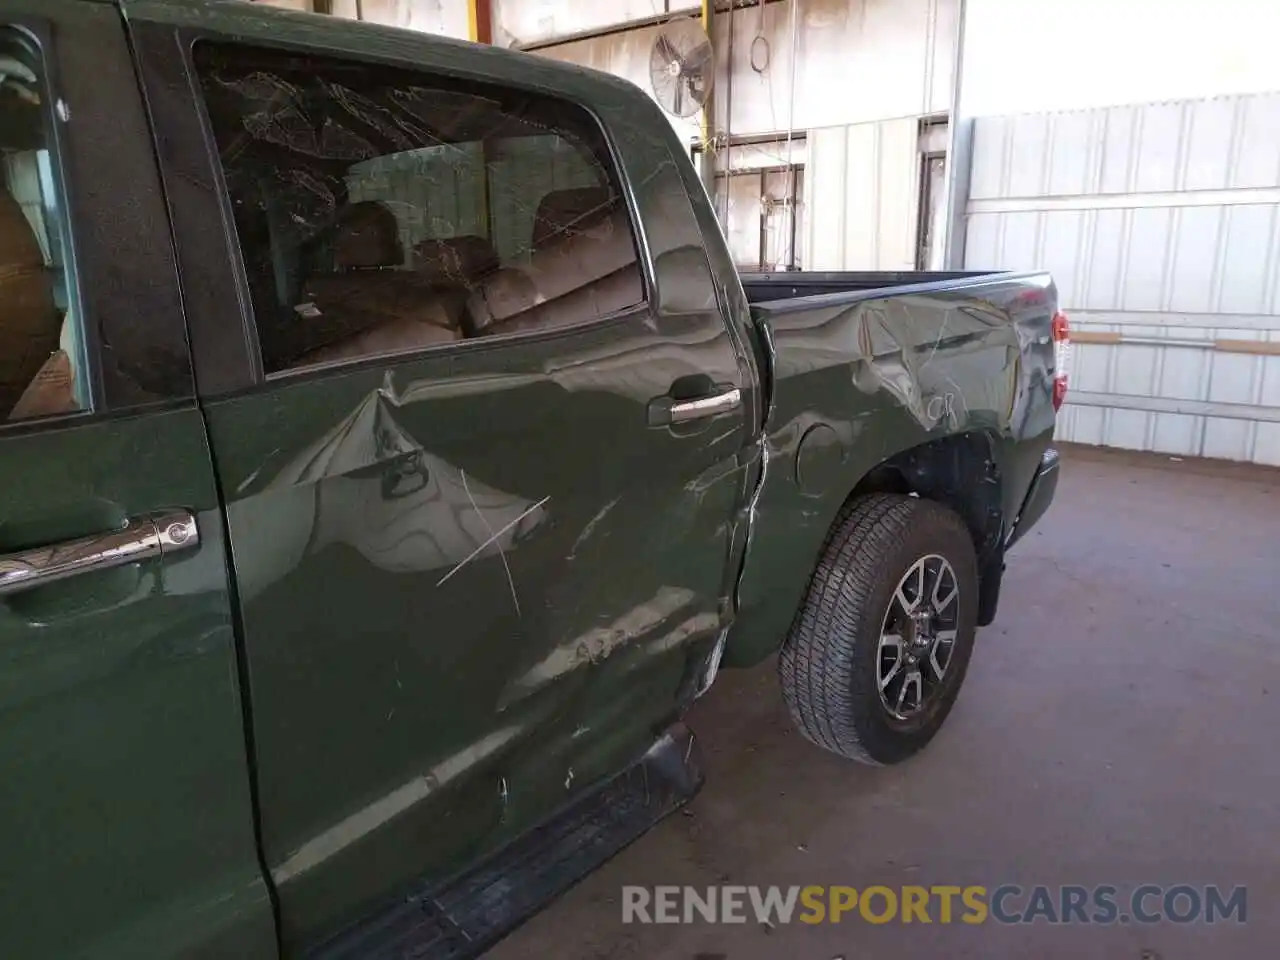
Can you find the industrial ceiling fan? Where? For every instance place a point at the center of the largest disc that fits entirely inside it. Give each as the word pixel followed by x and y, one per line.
pixel 681 67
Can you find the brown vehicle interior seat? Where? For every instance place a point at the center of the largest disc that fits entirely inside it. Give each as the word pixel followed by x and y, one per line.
pixel 562 210
pixel 370 302
pixel 582 266
pixel 30 321
pixel 461 260
pixel 454 268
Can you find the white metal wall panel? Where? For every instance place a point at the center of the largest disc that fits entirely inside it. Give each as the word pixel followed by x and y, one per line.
pixel 856 61
pixel 446 18
pixel 756 218
pixel 778 229
pixel 1108 52
pixel 741 212
pixel 865 179
pixel 1161 225
pixel 540 21
pixel 624 55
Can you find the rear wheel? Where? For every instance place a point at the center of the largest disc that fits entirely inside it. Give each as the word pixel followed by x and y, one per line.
pixel 879 648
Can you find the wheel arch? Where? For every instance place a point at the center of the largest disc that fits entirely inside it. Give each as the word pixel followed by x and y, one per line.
pixel 961 471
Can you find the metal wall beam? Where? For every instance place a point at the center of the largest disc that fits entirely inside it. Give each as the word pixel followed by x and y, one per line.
pixel 1186 408
pixel 610 31
pixel 708 164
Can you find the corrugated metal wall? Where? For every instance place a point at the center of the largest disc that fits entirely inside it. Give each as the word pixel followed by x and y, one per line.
pixel 865 183
pixel 624 55
pixel 1108 52
pixel 518 22
pixel 447 18
pixel 756 211
pixel 856 61
pixel 1161 225
pixel 855 76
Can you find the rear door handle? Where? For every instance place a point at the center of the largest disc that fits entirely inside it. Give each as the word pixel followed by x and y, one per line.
pixel 664 411
pixel 143 537
pixel 711 406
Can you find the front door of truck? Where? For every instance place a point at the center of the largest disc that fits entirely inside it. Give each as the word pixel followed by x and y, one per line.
pixel 126 822
pixel 482 478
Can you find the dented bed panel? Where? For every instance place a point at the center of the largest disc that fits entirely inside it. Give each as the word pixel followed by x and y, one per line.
pixel 861 377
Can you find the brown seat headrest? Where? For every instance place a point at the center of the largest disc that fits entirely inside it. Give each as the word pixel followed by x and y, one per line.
pixel 367 236
pixel 562 209
pixel 465 259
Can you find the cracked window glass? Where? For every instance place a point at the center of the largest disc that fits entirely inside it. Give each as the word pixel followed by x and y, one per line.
pixel 380 210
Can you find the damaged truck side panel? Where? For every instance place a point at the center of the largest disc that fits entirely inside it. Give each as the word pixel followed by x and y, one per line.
pixel 946 393
pixel 472 581
pixel 487 459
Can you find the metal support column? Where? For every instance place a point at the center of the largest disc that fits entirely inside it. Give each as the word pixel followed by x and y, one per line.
pixel 708 156
pixel 959 156
pixel 480 21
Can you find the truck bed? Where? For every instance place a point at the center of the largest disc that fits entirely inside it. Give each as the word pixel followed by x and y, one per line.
pixel 947 374
pixel 766 287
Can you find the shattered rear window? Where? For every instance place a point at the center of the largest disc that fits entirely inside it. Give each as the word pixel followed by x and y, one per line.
pixel 366 196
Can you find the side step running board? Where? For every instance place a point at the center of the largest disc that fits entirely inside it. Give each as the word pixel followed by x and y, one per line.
pixel 465 916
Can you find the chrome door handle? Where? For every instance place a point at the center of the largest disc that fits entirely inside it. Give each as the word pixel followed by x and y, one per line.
pixel 706 406
pixel 154 535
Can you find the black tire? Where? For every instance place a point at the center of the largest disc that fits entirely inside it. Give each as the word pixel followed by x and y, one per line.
pixel 829 661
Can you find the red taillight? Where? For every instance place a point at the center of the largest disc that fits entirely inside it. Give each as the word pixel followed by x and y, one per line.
pixel 1061 358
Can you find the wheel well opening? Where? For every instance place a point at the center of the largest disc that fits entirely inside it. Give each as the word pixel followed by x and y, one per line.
pixel 961 473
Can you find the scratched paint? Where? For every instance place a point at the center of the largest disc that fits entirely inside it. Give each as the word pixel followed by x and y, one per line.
pixel 887 373
pixel 341 835
pixel 599 643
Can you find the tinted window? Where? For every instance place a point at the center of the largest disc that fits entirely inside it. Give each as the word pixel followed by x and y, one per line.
pixel 42 368
pixel 380 210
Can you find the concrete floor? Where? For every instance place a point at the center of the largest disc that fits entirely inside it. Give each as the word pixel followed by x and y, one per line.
pixel 1119 725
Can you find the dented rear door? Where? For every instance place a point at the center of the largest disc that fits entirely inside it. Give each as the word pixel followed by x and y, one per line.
pixel 475 576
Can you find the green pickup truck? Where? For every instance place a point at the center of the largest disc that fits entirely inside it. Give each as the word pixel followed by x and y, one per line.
pixel 391 454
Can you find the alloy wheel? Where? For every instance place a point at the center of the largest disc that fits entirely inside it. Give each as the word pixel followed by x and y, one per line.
pixel 918 637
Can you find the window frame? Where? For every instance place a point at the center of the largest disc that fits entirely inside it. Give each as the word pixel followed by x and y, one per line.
pixel 442 80
pixel 128 306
